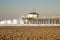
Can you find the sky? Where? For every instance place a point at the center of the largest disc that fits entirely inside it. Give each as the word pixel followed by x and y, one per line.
pixel 10 9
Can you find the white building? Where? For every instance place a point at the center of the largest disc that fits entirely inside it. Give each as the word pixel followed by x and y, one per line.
pixel 33 15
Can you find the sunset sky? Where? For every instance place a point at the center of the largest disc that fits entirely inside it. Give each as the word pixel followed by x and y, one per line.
pixel 10 9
